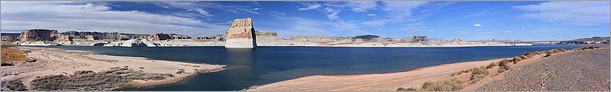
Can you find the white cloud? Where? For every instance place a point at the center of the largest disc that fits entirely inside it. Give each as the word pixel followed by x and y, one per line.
pixel 362 6
pixel 310 7
pixel 333 14
pixel 301 26
pixel 201 12
pixel 394 12
pixel 573 12
pixel 477 25
pixel 69 16
pixel 400 10
pixel 375 23
pixel 237 9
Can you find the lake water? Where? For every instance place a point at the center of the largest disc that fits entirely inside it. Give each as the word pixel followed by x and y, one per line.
pixel 263 65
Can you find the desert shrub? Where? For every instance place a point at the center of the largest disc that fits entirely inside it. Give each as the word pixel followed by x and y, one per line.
pixel 523 57
pixel 479 71
pixel 504 65
pixel 406 89
pixel 516 59
pixel 10 54
pixel 446 85
pixel 477 74
pixel 491 65
pixel 454 74
pixel 501 70
pixel 548 54
pixel 585 48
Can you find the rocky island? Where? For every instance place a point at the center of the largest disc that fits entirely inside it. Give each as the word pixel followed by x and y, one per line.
pixel 241 34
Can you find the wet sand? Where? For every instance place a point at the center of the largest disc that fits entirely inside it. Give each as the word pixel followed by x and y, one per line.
pixel 57 69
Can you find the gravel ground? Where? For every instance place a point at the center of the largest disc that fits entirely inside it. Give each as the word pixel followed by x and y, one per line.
pixel 586 70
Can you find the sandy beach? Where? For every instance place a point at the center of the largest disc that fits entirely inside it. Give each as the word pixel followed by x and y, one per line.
pixel 417 77
pixel 57 69
pixel 371 82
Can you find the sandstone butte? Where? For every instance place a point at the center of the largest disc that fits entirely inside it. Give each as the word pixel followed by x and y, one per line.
pixel 241 34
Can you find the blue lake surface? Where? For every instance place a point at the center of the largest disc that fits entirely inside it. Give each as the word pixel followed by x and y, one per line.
pixel 263 65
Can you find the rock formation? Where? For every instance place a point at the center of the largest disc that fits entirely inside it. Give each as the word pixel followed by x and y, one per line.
pixel 417 38
pixel 241 34
pixel 267 36
pixel 10 36
pixel 38 35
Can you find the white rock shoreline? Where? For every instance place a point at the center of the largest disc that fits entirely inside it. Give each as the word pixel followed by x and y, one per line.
pixel 57 69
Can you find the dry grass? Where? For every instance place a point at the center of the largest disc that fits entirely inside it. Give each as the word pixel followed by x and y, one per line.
pixel 491 65
pixel 480 73
pixel 406 89
pixel 586 48
pixel 477 74
pixel 446 85
pixel 11 54
pixel 504 65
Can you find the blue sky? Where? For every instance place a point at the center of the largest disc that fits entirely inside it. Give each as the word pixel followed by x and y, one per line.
pixel 527 21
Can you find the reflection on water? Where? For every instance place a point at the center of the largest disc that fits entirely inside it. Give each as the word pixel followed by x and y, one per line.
pixel 239 56
pixel 240 61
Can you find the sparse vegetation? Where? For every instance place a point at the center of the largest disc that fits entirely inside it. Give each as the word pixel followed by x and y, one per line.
pixel 10 55
pixel 446 85
pixel 406 89
pixel 586 48
pixel 504 65
pixel 491 65
pixel 477 74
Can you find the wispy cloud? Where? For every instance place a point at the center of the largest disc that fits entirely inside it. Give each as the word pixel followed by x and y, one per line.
pixel 69 16
pixel 201 11
pixel 310 7
pixel 236 9
pixel 362 6
pixel 572 12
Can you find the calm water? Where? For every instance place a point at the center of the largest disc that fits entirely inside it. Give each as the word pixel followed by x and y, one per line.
pixel 248 67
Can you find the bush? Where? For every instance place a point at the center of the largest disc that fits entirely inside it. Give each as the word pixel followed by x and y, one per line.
pixel 585 48
pixel 404 89
pixel 516 59
pixel 446 85
pixel 10 54
pixel 504 65
pixel 491 65
pixel 477 74
pixel 479 71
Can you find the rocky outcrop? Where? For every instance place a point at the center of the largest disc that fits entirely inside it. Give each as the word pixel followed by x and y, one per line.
pixel 88 80
pixel 241 34
pixel 417 38
pixel 318 38
pixel 593 40
pixel 10 36
pixel 161 36
pixel 267 36
pixel 38 35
